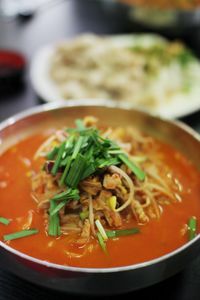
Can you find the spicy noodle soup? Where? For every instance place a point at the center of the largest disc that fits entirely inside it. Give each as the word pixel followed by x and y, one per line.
pixel 91 196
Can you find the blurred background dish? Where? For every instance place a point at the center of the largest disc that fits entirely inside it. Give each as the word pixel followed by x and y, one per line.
pixel 145 70
pixel 12 67
pixel 173 18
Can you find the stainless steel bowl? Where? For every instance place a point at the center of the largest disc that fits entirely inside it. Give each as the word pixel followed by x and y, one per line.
pixel 172 22
pixel 99 281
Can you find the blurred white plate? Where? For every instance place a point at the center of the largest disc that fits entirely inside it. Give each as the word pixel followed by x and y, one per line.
pixel 179 106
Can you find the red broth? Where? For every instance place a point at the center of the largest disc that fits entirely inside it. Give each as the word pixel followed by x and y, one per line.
pixel 156 238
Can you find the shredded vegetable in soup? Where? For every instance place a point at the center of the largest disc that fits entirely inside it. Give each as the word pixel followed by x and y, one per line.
pixel 94 196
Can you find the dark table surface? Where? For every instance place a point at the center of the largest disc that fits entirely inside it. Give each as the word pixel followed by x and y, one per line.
pixel 67 19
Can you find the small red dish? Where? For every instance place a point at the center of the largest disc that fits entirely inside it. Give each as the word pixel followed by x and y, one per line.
pixel 12 66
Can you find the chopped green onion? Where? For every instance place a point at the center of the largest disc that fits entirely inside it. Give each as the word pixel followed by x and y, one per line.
pixel 89 170
pixel 94 136
pixel 64 197
pixel 19 234
pixel 192 228
pixel 137 171
pixel 64 174
pixel 117 151
pixel 58 207
pixel 101 242
pixel 83 153
pixel 80 125
pixel 76 171
pixel 107 162
pixel 69 160
pixel 61 196
pixel 184 57
pixel 68 149
pixel 58 159
pixel 122 232
pixel 69 194
pixel 101 230
pixel 4 221
pixel 51 155
pixel 84 214
pixel 54 222
pixel 90 152
pixel 77 147
pixel 64 161
pixel 69 142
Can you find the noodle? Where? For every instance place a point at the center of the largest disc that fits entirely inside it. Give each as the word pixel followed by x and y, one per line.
pixel 91 215
pixel 115 169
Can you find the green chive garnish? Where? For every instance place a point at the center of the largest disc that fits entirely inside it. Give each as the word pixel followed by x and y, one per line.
pixel 51 155
pixel 4 221
pixel 82 154
pixel 69 142
pixel 54 222
pixel 19 234
pixel 80 125
pixel 192 228
pixel 117 151
pixel 66 170
pixel 58 159
pixel 70 194
pixel 108 162
pixel 58 207
pixel 122 232
pixel 102 243
pixel 137 171
pixel 77 146
pixel 89 170
pixel 76 171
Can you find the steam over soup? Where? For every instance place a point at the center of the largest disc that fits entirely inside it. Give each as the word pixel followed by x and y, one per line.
pixel 93 196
